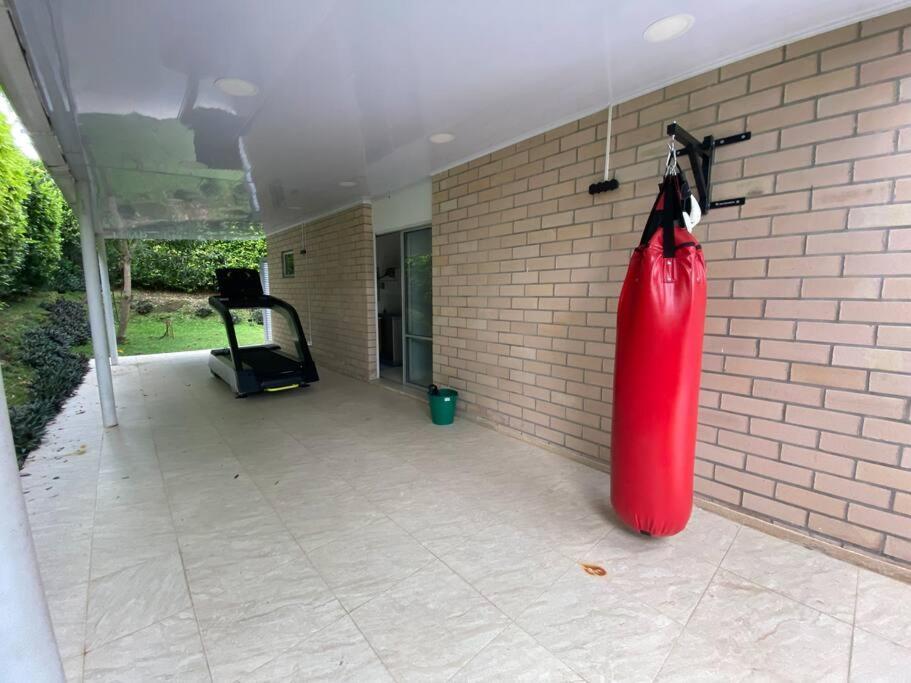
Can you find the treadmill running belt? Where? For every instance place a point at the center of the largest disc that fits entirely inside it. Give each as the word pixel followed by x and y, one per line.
pixel 266 362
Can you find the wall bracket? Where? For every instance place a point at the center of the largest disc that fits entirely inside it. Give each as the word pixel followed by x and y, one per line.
pixel 702 156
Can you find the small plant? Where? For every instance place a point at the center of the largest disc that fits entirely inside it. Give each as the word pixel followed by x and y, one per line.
pixel 203 312
pixel 256 316
pixel 144 307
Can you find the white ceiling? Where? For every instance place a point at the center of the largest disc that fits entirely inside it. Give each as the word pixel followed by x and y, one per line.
pixel 348 90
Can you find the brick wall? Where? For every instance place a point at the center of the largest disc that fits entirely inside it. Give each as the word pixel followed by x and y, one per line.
pixel 333 289
pixel 807 366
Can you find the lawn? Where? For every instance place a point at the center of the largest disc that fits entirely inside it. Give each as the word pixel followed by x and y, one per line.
pixel 145 334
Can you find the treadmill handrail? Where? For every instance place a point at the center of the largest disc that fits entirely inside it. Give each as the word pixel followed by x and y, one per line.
pixel 224 304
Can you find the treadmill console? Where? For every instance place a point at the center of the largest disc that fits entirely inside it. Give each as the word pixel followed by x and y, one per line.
pixel 238 283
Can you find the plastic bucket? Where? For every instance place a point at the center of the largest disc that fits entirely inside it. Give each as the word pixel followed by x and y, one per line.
pixel 443 406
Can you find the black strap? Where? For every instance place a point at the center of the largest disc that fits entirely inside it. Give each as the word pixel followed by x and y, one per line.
pixel 667 217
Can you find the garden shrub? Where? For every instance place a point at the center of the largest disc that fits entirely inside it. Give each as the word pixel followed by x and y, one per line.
pixel 144 307
pixel 203 312
pixel 58 371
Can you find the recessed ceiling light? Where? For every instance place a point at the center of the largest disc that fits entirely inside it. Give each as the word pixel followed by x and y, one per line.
pixel 348 183
pixel 668 28
pixel 237 87
pixel 441 138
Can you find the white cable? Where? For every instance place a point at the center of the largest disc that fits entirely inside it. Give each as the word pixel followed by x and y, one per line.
pixel 610 117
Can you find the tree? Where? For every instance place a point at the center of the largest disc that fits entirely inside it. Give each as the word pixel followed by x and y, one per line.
pixel 14 189
pixel 126 296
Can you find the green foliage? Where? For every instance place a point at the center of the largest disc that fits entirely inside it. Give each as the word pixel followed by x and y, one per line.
pixel 44 209
pixel 56 371
pixel 14 189
pixel 187 265
pixel 69 271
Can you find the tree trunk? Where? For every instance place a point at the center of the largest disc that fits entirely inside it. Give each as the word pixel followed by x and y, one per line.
pixel 126 297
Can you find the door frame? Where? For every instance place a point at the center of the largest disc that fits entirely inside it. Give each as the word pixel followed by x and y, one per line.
pixel 405 335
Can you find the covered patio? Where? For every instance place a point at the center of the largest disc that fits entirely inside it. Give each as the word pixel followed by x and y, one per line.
pixel 335 533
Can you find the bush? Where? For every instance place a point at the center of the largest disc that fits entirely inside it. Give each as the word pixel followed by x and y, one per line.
pixel 143 307
pixel 69 273
pixel 187 265
pixel 14 189
pixel 203 312
pixel 58 371
pixel 256 316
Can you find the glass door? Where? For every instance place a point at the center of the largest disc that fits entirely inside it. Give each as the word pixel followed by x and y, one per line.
pixel 417 309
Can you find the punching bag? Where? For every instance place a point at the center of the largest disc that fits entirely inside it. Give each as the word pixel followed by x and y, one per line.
pixel 660 322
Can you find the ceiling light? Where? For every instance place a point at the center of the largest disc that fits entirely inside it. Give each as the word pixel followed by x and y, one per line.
pixel 237 87
pixel 441 138
pixel 669 27
pixel 348 183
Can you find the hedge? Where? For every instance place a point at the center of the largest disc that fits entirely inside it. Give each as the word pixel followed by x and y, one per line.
pixel 58 371
pixel 14 190
pixel 186 265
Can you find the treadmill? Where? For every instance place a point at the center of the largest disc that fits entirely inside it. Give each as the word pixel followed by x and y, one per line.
pixel 268 367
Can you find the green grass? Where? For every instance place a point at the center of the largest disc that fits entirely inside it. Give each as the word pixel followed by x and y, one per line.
pixel 16 317
pixel 144 334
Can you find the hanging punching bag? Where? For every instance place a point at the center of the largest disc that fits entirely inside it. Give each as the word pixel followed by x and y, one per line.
pixel 658 359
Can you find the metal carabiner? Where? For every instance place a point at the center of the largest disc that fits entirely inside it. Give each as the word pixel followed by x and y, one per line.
pixel 670 163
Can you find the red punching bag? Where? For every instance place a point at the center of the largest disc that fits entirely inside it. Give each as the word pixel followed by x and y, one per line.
pixel 660 322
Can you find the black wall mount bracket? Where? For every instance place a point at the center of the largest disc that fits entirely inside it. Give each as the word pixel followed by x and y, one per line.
pixel 604 186
pixel 702 156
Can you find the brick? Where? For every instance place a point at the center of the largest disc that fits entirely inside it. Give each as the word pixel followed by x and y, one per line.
pixel 856 99
pixel 818 176
pixel 835 332
pixel 810 500
pixel 898 525
pixel 845 531
pixel 817 460
pixel 797 157
pixel 788 202
pixel 816 221
pixel 771 246
pixel 880 216
pixel 795 393
pixel 858 447
pixel 751 406
pixel 753 63
pixel 744 481
pixel 891 166
pixel 852 490
pixel 809 266
pixel 857 147
pixel 876 311
pixel 818 131
pixel 801 310
pixel 775 509
pixel 898 548
pixel 890 477
pixel 726 90
pixel 894 336
pixel 878 264
pixel 756 368
pixel 884 118
pixel 775 329
pixel 777 288
pixel 861 51
pixel 783 73
pixel 886 68
pixel 747 443
pixel 780 431
pixel 713 489
pixel 782 117
pixel 887 430
pixel 779 471
pixel 749 104
pixel 841 288
pixel 885 22
pixel 852 195
pixel 828 376
pixel 847 242
pixel 865 404
pixel 823 419
pixel 820 85
pixel 797 351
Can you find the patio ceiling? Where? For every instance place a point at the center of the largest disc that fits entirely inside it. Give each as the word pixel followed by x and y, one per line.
pixel 347 91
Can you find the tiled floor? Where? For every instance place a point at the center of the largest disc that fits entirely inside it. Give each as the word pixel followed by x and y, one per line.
pixel 334 533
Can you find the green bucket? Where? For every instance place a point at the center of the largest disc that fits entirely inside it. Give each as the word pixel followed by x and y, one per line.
pixel 442 405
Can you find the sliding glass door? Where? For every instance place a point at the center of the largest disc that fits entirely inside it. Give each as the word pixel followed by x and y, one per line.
pixel 418 313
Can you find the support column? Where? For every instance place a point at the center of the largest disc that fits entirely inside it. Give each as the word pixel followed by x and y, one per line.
pixel 28 649
pixel 96 310
pixel 107 300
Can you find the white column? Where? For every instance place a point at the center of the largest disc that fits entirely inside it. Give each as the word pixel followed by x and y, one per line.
pixel 28 649
pixel 96 310
pixel 107 300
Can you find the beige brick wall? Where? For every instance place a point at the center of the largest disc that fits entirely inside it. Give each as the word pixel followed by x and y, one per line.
pixel 807 369
pixel 333 289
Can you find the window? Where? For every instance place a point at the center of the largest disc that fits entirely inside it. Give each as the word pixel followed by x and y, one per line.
pixel 288 263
